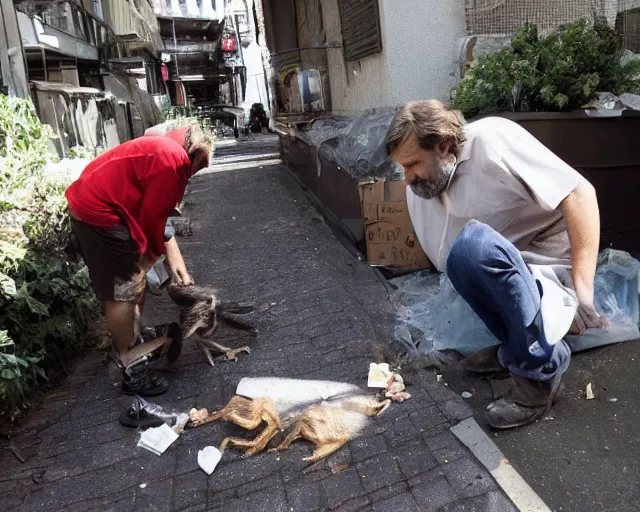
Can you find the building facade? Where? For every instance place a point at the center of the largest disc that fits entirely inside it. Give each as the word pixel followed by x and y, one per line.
pixel 346 56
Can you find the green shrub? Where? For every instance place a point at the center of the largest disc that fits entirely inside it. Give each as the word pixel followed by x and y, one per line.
pixel 557 72
pixel 46 302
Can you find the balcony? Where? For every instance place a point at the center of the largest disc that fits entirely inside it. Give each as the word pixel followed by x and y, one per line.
pixel 134 22
pixel 189 9
pixel 65 28
pixel 184 36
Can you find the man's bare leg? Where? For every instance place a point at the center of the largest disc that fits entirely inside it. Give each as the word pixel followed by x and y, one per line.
pixel 137 315
pixel 121 322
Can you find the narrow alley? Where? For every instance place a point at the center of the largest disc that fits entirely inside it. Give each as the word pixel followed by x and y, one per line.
pixel 324 315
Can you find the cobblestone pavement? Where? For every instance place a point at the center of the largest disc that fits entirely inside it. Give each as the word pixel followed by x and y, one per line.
pixel 256 237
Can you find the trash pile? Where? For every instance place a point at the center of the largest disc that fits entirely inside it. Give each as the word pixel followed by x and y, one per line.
pixel 608 104
pixel 434 317
pixel 328 414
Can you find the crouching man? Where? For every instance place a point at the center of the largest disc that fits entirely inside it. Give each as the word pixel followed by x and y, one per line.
pixel 119 207
pixel 517 231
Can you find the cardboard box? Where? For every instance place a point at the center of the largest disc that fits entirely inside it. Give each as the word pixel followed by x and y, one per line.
pixel 391 240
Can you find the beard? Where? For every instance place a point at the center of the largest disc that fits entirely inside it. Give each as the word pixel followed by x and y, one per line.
pixel 433 186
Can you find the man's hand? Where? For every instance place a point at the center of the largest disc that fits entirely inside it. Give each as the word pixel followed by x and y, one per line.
pixel 179 273
pixel 591 318
pixel 580 210
pixel 175 263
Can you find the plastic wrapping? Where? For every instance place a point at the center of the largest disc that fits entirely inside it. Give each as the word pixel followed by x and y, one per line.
pixel 616 287
pixel 361 151
pixel 140 404
pixel 616 298
pixel 432 316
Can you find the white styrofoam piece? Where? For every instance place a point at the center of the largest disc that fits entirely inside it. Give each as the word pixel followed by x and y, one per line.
pixel 208 459
pixel 290 393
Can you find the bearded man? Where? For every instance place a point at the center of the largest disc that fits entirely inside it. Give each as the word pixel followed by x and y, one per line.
pixel 516 230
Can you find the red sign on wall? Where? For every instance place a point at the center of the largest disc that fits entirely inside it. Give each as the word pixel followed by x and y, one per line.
pixel 165 72
pixel 229 44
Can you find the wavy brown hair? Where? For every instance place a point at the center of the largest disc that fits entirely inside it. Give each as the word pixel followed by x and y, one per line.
pixel 431 121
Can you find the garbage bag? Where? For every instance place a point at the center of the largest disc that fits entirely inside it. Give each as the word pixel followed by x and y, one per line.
pixel 432 316
pixel 361 151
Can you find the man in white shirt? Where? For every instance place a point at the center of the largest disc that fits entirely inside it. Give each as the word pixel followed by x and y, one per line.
pixel 516 230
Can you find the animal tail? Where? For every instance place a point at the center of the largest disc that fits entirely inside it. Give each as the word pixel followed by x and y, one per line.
pixel 236 323
pixel 236 308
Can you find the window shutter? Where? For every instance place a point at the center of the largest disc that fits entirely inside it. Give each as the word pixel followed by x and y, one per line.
pixel 360 20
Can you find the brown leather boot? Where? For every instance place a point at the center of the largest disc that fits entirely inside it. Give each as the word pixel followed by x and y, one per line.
pixel 484 362
pixel 526 401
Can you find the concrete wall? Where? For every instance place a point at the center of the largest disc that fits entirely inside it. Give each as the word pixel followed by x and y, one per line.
pixel 419 58
pixel 355 86
pixel 422 40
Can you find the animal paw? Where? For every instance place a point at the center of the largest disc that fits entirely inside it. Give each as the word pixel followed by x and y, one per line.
pixel 232 355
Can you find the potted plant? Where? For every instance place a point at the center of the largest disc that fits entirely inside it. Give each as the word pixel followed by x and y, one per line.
pixel 549 85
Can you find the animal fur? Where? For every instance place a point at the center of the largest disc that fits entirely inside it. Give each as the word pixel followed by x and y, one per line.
pixel 248 414
pixel 328 425
pixel 332 424
pixel 200 311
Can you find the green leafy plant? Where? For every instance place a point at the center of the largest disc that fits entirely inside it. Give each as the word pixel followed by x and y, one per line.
pixel 558 72
pixel 46 302
pixel 79 152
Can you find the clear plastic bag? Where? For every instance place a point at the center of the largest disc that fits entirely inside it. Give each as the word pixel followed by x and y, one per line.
pixel 616 298
pixel 616 286
pixel 433 316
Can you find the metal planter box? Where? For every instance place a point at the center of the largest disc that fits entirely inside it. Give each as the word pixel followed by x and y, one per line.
pixel 605 151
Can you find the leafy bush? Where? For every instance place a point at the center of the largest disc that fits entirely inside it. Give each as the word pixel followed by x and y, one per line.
pixel 45 298
pixel 558 72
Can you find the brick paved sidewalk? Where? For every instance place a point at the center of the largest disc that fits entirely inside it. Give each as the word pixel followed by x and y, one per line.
pixel 256 237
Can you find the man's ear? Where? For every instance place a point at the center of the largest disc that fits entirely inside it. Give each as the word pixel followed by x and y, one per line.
pixel 444 147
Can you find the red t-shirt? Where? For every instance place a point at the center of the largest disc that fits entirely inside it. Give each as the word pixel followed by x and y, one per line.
pixel 139 182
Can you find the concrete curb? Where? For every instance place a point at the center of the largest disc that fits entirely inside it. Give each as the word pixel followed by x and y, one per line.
pixel 485 450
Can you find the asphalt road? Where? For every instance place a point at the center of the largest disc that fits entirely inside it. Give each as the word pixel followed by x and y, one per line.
pixel 584 456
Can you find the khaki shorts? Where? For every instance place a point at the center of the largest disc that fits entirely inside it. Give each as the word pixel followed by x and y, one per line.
pixel 113 259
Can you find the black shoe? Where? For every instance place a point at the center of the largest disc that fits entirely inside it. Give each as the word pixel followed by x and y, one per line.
pixel 138 380
pixel 147 333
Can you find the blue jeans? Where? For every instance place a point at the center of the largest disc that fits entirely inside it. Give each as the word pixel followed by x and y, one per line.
pixel 490 274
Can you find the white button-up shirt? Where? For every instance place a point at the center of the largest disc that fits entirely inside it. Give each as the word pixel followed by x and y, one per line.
pixel 510 181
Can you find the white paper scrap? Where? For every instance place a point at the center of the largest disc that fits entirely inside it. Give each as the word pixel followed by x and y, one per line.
pixel 157 439
pixel 379 375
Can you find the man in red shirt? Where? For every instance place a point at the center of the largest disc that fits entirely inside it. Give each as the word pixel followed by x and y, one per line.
pixel 119 208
